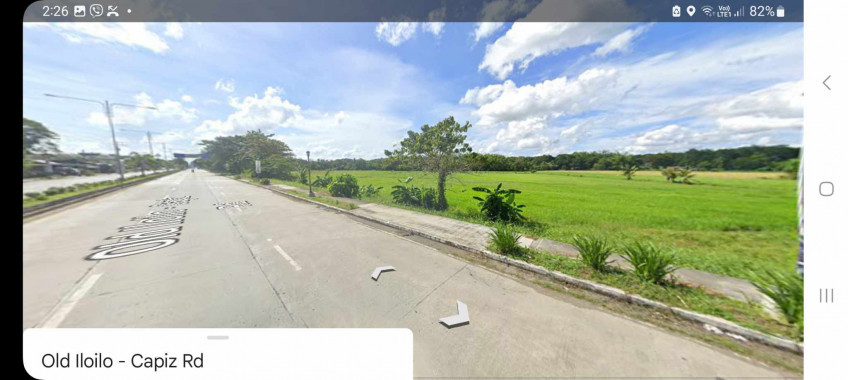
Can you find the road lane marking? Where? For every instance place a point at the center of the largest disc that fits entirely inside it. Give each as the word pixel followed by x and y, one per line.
pixel 287 257
pixel 65 306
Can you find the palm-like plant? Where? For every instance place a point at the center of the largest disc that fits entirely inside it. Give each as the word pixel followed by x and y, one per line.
pixel 629 170
pixel 499 205
pixel 650 263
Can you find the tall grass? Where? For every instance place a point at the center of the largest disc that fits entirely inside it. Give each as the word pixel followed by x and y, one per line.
pixel 786 289
pixel 650 263
pixel 594 251
pixel 504 240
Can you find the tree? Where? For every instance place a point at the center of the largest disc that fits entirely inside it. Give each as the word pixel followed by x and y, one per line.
pixel 237 154
pixel 438 149
pixel 37 139
pixel 140 161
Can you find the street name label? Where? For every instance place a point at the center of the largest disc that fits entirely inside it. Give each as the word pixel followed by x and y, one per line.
pixel 230 353
pixel 156 230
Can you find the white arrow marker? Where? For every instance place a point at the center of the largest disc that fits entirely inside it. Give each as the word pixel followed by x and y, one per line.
pixel 379 270
pixel 457 320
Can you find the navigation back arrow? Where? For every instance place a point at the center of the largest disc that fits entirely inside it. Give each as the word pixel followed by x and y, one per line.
pixel 379 270
pixel 457 320
pixel 824 82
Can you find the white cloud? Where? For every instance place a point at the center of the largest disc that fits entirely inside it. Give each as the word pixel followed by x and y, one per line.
pixel 620 43
pixel 434 28
pixel 395 33
pixel 187 98
pixel 132 34
pixel 165 110
pixel 485 29
pixel 524 42
pixel 738 91
pixel 174 30
pixel 225 85
pixel 267 112
pixel 552 98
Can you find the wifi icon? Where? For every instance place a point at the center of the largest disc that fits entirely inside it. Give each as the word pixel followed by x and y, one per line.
pixel 708 10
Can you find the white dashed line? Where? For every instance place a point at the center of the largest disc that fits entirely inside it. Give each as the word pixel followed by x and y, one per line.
pixel 286 256
pixel 65 306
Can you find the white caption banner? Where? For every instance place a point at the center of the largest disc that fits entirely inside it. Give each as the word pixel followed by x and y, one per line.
pixel 136 353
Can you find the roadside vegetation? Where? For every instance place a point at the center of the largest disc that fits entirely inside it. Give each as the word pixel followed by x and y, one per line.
pixel 729 223
pixel 55 193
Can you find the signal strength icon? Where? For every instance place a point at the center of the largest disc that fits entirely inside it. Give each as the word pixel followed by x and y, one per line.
pixel 708 10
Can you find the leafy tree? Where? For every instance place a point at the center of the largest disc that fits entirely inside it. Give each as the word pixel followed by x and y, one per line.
pixel 142 162
pixel 38 139
pixel 438 149
pixel 237 154
pixel 344 185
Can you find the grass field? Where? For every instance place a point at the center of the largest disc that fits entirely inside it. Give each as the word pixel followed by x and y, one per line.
pixel 728 223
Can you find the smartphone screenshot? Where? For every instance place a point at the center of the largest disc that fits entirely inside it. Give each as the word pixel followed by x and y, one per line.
pixel 432 189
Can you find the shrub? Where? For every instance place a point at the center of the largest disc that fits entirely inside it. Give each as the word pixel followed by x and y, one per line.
pixel 344 186
pixel 70 189
pixel 54 190
pixel 649 262
pixel 41 197
pixel 303 173
pixel 787 292
pixel 414 196
pixel 264 181
pixel 675 175
pixel 594 251
pixel 324 181
pixel 369 191
pixel 32 195
pixel 504 240
pixel 499 205
pixel 629 170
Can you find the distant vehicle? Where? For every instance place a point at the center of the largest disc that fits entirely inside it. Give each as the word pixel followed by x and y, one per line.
pixel 192 170
pixel 67 171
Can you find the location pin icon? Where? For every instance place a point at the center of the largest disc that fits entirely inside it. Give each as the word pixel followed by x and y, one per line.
pixel 690 10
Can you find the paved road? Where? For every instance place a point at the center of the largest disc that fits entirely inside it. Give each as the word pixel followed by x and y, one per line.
pixel 283 263
pixel 39 185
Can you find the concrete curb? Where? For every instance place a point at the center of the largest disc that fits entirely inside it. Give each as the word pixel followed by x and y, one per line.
pixel 770 340
pixel 63 202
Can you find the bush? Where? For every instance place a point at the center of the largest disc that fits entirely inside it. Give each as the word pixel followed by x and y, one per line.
pixel 499 205
pixel 504 240
pixel 324 181
pixel 675 175
pixel 649 262
pixel 54 191
pixel 41 197
pixel 303 173
pixel 594 251
pixel 70 189
pixel 787 292
pixel 264 181
pixel 369 191
pixel 32 195
pixel 414 196
pixel 344 186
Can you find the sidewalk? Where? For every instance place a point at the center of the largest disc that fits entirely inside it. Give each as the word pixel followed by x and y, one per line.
pixel 477 236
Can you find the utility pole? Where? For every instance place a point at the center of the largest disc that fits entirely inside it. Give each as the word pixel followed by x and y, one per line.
pixel 107 109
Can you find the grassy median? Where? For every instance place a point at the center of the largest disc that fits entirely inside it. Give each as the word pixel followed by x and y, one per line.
pixel 81 189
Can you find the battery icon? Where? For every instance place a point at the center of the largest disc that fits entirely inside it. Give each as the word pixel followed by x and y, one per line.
pixel 779 11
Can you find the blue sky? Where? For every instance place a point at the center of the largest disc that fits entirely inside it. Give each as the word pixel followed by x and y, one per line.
pixel 353 89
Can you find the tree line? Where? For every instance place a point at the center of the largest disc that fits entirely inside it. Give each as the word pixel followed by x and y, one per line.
pixel 750 158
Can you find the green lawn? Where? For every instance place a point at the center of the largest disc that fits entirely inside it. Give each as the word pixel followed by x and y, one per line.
pixel 727 223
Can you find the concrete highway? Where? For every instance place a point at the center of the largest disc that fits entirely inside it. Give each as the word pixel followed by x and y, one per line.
pixel 37 185
pixel 276 262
